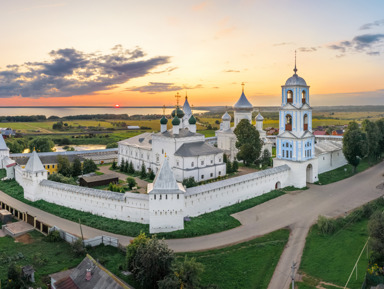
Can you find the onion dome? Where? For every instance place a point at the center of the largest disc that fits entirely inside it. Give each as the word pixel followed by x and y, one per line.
pixel 243 102
pixel 177 112
pixel 163 120
pixel 176 120
pixel 259 117
pixel 226 117
pixel 295 80
pixel 192 120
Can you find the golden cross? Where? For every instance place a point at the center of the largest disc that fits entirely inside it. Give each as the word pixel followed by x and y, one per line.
pixel 164 109
pixel 177 98
pixel 242 84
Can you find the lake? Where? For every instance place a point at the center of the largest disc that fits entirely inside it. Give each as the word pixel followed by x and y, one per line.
pixel 66 111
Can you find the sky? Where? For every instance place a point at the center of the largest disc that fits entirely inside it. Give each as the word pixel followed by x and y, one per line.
pixel 141 53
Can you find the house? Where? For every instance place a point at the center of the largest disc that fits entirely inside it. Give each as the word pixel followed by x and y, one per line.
pixel 320 132
pixel 89 274
pixel 337 132
pixel 101 180
pixel 7 132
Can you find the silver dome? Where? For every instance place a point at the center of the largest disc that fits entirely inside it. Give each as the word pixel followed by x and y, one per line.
pixel 243 102
pixel 226 116
pixel 295 80
pixel 259 117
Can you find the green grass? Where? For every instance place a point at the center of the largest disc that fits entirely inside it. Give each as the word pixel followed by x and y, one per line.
pixel 331 257
pixel 247 265
pixel 58 256
pixel 344 172
pixel 209 223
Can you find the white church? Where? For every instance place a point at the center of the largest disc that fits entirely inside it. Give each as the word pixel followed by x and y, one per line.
pixel 187 151
pixel 226 138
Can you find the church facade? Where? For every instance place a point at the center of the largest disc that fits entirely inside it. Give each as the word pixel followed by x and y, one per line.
pixel 188 153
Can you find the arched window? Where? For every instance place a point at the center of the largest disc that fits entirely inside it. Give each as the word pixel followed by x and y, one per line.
pixel 289 96
pixel 303 99
pixel 288 122
pixel 305 121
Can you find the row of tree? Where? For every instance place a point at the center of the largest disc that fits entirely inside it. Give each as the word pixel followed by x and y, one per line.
pixel 75 169
pixel 364 142
pixel 40 144
pixel 154 265
pixel 127 167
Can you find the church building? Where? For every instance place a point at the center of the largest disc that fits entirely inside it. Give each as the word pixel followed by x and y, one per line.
pixel 226 138
pixel 187 152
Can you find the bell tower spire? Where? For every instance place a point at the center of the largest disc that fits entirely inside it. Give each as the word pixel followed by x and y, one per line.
pixel 295 69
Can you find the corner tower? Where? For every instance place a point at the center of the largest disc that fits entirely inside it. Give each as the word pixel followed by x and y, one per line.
pixel 295 143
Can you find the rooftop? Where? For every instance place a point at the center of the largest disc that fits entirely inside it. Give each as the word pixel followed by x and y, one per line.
pixel 196 149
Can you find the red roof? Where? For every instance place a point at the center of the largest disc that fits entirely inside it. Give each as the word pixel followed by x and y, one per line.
pixel 11 165
pixel 66 283
pixel 319 132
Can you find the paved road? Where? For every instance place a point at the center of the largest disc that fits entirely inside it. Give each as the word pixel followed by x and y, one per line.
pixel 296 211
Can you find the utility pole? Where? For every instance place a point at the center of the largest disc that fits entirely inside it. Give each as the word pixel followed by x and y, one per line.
pixel 293 274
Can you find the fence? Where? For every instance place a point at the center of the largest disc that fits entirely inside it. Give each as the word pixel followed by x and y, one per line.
pixel 96 241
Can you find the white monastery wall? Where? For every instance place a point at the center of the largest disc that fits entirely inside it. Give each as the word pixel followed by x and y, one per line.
pixel 330 161
pixel 214 196
pixel 127 207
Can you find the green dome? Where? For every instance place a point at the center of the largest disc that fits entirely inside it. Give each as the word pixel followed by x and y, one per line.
pixel 180 113
pixel 176 121
pixel 163 120
pixel 192 120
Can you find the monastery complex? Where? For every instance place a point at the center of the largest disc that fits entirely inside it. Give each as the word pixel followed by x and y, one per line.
pixel 181 153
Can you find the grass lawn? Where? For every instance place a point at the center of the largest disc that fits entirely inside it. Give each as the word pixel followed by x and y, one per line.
pixel 330 258
pixel 344 172
pixel 209 223
pixel 247 265
pixel 47 258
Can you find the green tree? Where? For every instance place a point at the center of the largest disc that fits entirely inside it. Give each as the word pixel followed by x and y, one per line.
pixel 235 166
pixel 353 144
pixel 131 169
pixel 248 142
pixel 16 145
pixel 131 182
pixel 225 158
pixel 112 145
pixel 122 165
pixel 376 232
pixel 143 172
pixel 114 166
pixel 57 177
pixel 186 274
pixel 380 125
pixel 189 182
pixel 266 158
pixel 89 166
pixel 76 167
pixel 64 166
pixel 126 167
pixel 140 240
pixel 151 175
pixel 229 167
pixel 41 144
pixel 373 137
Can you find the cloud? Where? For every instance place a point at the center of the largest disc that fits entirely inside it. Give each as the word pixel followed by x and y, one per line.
pixel 283 43
pixel 372 24
pixel 307 49
pixel 368 43
pixel 375 97
pixel 153 87
pixel 201 6
pixel 231 70
pixel 72 72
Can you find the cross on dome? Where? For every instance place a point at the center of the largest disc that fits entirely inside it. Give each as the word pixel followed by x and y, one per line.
pixel 177 98
pixel 295 69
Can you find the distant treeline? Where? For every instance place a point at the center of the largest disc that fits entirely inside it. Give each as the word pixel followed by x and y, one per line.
pixel 23 118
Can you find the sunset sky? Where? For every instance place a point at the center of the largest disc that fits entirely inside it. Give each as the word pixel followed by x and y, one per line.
pixel 141 53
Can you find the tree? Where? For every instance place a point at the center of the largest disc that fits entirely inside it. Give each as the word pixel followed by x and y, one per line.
pixel 186 274
pixel 229 167
pixel 376 232
pixel 266 158
pixel 131 182
pixel 151 175
pixel 225 158
pixel 149 260
pixel 122 165
pixel 41 144
pixel 126 167
pixel 189 182
pixel 235 166
pixel 114 166
pixel 380 125
pixel 373 137
pixel 112 145
pixel 61 179
pixel 143 172
pixel 131 169
pixel 353 144
pixel 16 145
pixel 76 167
pixel 248 142
pixel 64 166
pixel 89 166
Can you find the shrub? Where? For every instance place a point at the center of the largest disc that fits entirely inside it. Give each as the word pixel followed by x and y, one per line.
pixel 53 236
pixel 78 247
